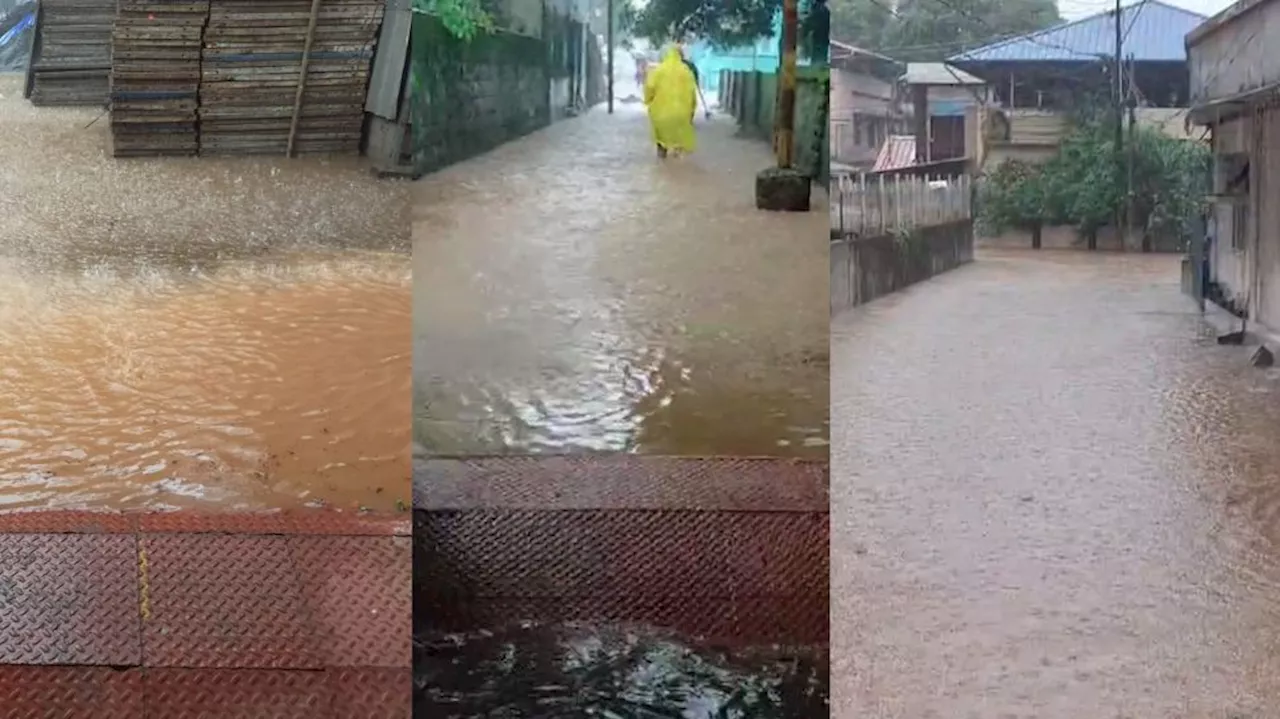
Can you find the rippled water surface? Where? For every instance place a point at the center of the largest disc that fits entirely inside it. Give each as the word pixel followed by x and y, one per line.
pixel 573 293
pixel 1053 495
pixel 224 334
pixel 614 672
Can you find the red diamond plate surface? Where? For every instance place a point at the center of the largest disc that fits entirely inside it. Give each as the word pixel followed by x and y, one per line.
pixel 59 522
pixel 342 523
pixel 225 601
pixel 70 693
pixel 621 481
pixel 359 592
pixel 371 693
pixel 237 694
pixel 68 599
pixel 211 523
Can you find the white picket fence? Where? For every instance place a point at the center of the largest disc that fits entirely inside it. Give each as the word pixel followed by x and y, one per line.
pixel 880 205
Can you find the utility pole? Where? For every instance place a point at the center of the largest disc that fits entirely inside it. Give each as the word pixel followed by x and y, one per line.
pixel 609 54
pixel 1119 123
pixel 784 133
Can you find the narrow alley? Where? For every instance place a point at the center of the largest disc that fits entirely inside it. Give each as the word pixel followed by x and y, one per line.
pixel 572 292
pixel 1055 497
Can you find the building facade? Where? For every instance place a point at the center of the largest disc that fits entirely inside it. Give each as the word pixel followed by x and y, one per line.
pixel 1234 85
pixel 865 104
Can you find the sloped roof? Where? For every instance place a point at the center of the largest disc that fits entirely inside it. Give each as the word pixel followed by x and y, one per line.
pixel 1153 31
pixel 938 73
pixel 897 152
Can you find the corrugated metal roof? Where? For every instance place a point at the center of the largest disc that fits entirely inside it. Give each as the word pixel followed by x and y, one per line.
pixel 897 152
pixel 938 73
pixel 1153 32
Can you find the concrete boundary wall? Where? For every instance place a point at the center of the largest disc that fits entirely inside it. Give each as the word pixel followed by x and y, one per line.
pixel 864 268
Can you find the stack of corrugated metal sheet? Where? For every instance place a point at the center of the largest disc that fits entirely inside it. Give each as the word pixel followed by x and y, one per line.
pixel 255 52
pixel 155 76
pixel 71 64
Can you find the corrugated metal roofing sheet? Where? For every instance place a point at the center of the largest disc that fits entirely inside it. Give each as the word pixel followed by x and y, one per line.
pixel 897 152
pixel 387 80
pixel 1153 32
pixel 938 73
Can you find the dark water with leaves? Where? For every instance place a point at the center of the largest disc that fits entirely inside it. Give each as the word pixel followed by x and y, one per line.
pixel 611 672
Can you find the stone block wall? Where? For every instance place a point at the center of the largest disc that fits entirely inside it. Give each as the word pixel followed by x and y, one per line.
pixel 469 97
pixel 864 268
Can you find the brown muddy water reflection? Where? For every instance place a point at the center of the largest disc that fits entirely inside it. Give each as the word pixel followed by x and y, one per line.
pixel 196 333
pixel 1053 495
pixel 574 293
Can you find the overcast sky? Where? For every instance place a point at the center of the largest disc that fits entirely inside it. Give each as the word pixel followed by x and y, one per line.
pixel 1072 9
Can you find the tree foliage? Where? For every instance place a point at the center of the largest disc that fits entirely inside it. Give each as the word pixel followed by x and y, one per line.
pixel 463 19
pixel 931 30
pixel 723 23
pixel 730 23
pixel 1013 196
pixel 1086 185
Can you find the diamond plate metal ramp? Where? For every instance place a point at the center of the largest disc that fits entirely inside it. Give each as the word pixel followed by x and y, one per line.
pixel 217 616
pixel 734 551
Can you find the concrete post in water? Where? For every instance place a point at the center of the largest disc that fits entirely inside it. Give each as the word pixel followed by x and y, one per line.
pixel 783 188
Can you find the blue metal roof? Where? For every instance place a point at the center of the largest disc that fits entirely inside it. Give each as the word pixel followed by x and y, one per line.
pixel 1153 31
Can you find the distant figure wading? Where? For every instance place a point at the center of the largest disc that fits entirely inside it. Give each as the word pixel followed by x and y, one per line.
pixel 671 94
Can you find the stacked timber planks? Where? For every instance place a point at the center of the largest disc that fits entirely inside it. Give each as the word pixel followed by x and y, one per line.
pixel 71 63
pixel 255 54
pixel 155 76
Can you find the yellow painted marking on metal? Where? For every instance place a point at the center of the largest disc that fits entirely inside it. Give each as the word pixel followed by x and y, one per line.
pixel 144 584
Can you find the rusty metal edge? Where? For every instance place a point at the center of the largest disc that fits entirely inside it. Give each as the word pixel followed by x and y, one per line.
pixel 588 481
pixel 309 522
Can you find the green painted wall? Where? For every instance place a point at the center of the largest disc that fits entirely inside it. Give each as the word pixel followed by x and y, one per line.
pixel 751 97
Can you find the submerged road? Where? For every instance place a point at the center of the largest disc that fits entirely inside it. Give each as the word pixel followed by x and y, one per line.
pixel 1053 495
pixel 196 333
pixel 572 292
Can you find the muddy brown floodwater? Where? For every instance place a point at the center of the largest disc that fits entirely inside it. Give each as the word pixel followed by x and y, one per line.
pixel 196 333
pixel 1053 495
pixel 574 293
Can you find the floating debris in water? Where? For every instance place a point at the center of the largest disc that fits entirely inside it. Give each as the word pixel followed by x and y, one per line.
pixel 612 672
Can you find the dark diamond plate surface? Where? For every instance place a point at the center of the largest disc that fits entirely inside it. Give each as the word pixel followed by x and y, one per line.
pixel 372 693
pixel 736 576
pixel 620 482
pixel 60 522
pixel 225 601
pixel 359 591
pixel 70 693
pixel 69 599
pixel 237 694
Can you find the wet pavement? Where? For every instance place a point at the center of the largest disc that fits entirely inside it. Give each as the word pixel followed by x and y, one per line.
pixel 178 614
pixel 574 293
pixel 1054 496
pixel 207 333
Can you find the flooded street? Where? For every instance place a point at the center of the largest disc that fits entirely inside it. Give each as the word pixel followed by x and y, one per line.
pixel 1053 496
pixel 574 293
pixel 196 332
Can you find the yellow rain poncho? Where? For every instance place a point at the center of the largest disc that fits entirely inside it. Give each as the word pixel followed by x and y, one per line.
pixel 671 94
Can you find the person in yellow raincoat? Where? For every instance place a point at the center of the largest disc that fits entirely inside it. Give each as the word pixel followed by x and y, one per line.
pixel 671 94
